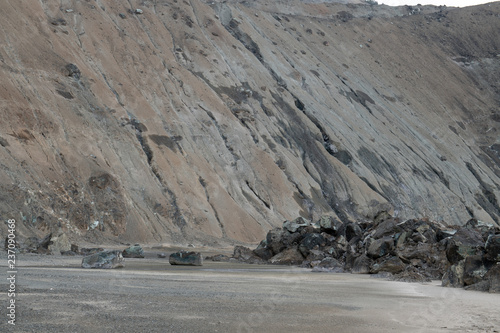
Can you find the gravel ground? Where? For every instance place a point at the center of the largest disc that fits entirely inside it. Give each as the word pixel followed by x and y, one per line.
pixel 148 295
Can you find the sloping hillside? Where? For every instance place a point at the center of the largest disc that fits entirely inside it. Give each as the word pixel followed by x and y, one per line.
pixel 176 121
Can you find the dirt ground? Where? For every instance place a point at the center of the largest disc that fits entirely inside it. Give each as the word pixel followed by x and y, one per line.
pixel 148 295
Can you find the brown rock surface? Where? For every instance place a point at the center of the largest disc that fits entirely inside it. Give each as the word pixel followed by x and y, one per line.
pixel 202 121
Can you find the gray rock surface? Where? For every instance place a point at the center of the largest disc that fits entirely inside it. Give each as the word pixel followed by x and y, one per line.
pixel 135 251
pixel 103 260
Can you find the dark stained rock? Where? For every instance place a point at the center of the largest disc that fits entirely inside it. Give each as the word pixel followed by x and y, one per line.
pixel 135 251
pixel 309 242
pixel 392 265
pixel 430 235
pixel 262 251
pixel 380 247
pixel 291 239
pixel 73 71
pixel 186 258
pixel 475 268
pixel 290 256
pixel 352 230
pixel 104 259
pixel 466 242
pixel 454 276
pixel 43 244
pixel 493 248
pixel 361 265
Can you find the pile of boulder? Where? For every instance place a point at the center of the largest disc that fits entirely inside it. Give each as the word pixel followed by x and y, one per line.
pixel 412 250
pixel 52 243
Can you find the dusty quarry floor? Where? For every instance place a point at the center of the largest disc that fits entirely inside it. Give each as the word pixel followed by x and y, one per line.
pixel 55 295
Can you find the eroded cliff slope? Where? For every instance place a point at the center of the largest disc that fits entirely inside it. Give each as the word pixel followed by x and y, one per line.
pixel 207 121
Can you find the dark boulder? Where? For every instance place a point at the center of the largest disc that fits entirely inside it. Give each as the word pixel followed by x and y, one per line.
pixel 493 278
pixel 466 242
pixel 290 256
pixel 490 282
pixel 329 262
pixel 310 242
pixel 401 239
pixel 262 251
pixel 393 265
pixel 380 247
pixel 186 258
pixel 475 267
pixel 104 260
pixel 386 228
pixel 330 225
pixel 486 229
pixel 315 255
pixel 454 276
pixel 352 231
pixel 493 248
pixel 135 251
pixel 244 254
pixel 330 265
pixel 274 240
pixel 219 258
pixel 361 265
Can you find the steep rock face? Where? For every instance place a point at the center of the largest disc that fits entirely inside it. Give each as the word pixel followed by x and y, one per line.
pixel 209 121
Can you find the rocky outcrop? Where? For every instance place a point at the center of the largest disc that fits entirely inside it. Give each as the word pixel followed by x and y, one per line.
pixel 53 243
pixel 135 251
pixel 412 250
pixel 59 243
pixel 103 260
pixel 200 121
pixel 186 258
